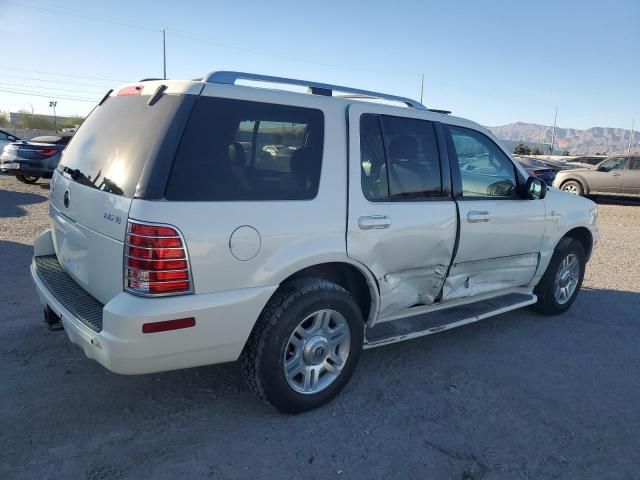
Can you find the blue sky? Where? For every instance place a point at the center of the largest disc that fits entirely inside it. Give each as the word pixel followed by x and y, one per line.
pixel 495 62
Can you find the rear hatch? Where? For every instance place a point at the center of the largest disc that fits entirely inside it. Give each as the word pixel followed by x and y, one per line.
pixel 123 150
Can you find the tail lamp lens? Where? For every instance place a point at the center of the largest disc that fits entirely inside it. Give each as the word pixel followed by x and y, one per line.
pixel 155 260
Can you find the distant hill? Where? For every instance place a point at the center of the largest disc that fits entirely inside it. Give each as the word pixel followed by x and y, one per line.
pixel 596 139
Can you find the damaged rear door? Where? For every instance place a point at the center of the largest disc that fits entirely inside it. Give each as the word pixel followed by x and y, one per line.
pixel 402 222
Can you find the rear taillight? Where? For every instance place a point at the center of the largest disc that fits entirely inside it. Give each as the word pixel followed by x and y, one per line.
pixel 48 153
pixel 130 90
pixel 156 261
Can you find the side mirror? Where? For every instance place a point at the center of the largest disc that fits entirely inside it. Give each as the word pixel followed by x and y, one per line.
pixel 535 189
pixel 11 138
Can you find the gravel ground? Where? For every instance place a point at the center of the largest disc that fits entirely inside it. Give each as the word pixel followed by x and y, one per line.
pixel 516 396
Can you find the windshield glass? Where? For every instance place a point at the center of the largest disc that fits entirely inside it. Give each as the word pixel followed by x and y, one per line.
pixel 113 144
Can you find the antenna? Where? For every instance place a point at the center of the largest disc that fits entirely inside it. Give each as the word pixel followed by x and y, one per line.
pixel 421 88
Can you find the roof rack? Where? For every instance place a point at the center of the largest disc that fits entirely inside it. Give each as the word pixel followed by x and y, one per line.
pixel 315 88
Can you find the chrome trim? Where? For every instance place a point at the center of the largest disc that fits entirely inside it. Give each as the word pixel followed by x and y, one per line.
pixel 151 236
pixel 191 289
pixel 154 248
pixel 230 78
pixel 155 271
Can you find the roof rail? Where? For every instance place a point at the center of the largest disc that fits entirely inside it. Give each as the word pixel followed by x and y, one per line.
pixel 315 88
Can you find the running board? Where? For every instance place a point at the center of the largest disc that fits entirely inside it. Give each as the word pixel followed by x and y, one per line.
pixel 443 319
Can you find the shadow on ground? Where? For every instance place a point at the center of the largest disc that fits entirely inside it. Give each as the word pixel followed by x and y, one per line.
pixel 12 203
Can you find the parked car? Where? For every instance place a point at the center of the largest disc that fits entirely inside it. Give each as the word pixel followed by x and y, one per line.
pixel 6 138
pixel 182 247
pixel 538 169
pixel 619 175
pixel 38 157
pixel 586 161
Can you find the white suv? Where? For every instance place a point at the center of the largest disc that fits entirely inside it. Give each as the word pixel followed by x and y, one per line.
pixel 200 222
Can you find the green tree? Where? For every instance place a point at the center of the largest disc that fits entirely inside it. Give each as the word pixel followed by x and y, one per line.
pixel 566 153
pixel 69 122
pixel 34 121
pixel 536 151
pixel 4 119
pixel 522 149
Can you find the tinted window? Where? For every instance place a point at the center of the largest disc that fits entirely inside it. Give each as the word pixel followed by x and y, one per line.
pixel 3 135
pixel 372 158
pixel 112 146
pixel 485 170
pixel 240 150
pixel 399 158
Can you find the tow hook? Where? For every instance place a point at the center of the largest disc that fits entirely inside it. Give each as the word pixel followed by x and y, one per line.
pixel 52 320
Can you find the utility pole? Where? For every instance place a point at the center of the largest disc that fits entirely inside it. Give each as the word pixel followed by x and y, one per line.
pixel 53 104
pixel 164 53
pixel 553 132
pixel 421 88
pixel 630 138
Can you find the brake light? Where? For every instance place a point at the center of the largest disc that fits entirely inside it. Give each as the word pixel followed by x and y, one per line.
pixel 155 260
pixel 48 153
pixel 131 90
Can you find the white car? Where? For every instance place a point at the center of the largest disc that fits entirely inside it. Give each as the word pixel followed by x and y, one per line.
pixel 6 138
pixel 173 245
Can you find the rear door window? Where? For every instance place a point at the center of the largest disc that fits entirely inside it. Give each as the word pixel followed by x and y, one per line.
pixel 399 158
pixel 234 150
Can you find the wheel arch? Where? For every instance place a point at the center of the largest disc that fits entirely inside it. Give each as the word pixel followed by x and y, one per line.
pixel 580 180
pixel 356 279
pixel 583 236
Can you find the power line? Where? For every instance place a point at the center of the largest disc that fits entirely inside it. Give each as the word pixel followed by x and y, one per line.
pixel 39 87
pixel 63 74
pixel 35 94
pixel 84 17
pixel 52 80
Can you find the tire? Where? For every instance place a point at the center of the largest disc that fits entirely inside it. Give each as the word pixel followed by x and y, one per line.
pixel 29 179
pixel 548 298
pixel 572 186
pixel 295 307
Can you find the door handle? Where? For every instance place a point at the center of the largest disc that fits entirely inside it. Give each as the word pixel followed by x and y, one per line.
pixel 616 174
pixel 476 216
pixel 371 222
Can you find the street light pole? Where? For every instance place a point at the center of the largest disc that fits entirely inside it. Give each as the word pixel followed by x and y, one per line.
pixel 553 132
pixel 53 104
pixel 630 138
pixel 164 53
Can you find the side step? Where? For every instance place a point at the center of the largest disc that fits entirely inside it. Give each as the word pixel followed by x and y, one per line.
pixel 443 319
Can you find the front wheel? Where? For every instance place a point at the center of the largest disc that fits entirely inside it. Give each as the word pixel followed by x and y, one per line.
pixel 573 188
pixel 561 283
pixel 27 178
pixel 305 345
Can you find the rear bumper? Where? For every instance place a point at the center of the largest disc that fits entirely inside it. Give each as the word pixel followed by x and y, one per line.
pixel 223 323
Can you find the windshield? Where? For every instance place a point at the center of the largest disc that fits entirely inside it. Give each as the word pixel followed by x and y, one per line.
pixel 112 146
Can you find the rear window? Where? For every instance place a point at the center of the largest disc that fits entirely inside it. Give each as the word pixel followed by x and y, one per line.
pixel 112 146
pixel 234 150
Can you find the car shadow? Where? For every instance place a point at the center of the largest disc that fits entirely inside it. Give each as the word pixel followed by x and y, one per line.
pixel 12 203
pixel 602 200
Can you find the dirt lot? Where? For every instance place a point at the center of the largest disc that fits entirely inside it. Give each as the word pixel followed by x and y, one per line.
pixel 517 396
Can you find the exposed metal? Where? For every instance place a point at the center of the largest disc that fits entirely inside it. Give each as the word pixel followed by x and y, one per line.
pixel 70 295
pixel 566 279
pixel 230 78
pixel 317 351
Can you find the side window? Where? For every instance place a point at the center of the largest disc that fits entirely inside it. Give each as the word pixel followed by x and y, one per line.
pixel 615 163
pixel 240 150
pixel 485 170
pixel 373 164
pixel 634 163
pixel 399 158
pixel 4 136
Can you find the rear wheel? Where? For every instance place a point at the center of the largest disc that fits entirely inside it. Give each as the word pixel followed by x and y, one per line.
pixel 561 283
pixel 572 187
pixel 305 345
pixel 27 178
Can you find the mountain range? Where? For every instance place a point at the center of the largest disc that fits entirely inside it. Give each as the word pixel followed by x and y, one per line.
pixel 596 139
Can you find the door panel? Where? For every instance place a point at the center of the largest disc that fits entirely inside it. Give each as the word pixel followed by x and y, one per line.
pixel 498 253
pixel 607 177
pixel 406 242
pixel 631 177
pixel 500 232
